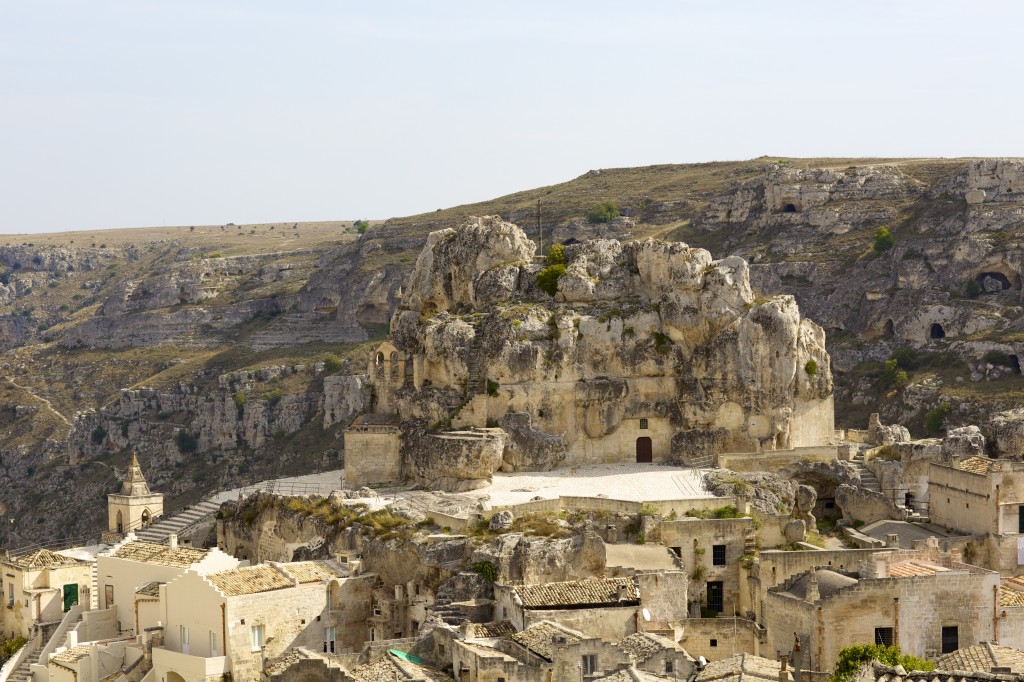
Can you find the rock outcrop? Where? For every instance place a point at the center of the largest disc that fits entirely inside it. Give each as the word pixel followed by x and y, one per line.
pixel 640 340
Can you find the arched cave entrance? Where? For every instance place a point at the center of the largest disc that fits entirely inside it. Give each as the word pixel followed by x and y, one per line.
pixel 789 208
pixel 991 282
pixel 145 517
pixel 937 332
pixel 644 449
pixel 570 241
pixel 1015 362
pixel 890 329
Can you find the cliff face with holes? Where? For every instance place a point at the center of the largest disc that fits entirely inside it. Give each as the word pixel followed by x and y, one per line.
pixel 645 351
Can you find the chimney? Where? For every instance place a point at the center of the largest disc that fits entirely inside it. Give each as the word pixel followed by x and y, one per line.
pixel 892 540
pixel 172 541
pixel 812 591
pixel 625 592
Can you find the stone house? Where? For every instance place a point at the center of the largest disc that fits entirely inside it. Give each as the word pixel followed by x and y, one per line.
pixel 548 651
pixel 40 587
pixel 398 611
pixel 234 620
pixel 741 668
pixel 927 603
pixel 608 608
pixel 983 497
pixel 132 564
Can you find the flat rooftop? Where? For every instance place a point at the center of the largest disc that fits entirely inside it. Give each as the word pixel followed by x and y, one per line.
pixel 628 482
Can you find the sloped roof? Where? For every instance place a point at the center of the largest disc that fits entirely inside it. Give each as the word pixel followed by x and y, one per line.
pixel 885 673
pixel 500 628
pixel 829 582
pixel 977 465
pixel 740 668
pixel 982 658
pixel 249 580
pixel 912 569
pixel 162 555
pixel 42 558
pixel 149 591
pixel 631 674
pixel 1008 597
pixel 69 657
pixel 540 638
pixel 307 572
pixel 592 592
pixel 643 645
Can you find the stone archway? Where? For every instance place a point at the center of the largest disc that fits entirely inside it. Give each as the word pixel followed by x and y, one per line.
pixel 644 449
pixel 146 517
pixel 991 282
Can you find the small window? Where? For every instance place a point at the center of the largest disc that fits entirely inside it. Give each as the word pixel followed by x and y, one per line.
pixel 257 637
pixel 213 644
pixel 718 555
pixel 883 636
pixel 504 613
pixel 678 551
pixel 589 664
pixel 714 642
pixel 329 640
pixel 669 668
pixel 643 423
pixel 950 639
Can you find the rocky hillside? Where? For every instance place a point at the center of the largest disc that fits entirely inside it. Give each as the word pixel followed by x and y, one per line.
pixel 184 340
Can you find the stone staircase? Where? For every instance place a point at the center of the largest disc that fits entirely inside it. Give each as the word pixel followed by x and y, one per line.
pixel 24 671
pixel 184 519
pixel 867 477
pixel 477 381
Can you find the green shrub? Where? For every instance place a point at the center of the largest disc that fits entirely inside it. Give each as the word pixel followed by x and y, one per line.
pixel 661 341
pixel 935 419
pixel 893 376
pixel 492 388
pixel 972 289
pixel 547 279
pixel 361 226
pixel 279 433
pixel 811 368
pixel 884 239
pixel 332 363
pixel 486 570
pixel 556 255
pixel 241 398
pixel 853 656
pixel 11 646
pixel 273 397
pixel 605 212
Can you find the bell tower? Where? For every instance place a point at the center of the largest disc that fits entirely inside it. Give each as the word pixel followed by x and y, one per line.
pixel 135 506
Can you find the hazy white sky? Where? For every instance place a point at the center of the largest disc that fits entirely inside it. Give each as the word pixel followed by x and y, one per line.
pixel 117 113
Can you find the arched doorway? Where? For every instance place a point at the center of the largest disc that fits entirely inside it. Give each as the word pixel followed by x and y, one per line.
pixel 644 449
pixel 937 332
pixel 120 522
pixel 174 677
pixel 145 517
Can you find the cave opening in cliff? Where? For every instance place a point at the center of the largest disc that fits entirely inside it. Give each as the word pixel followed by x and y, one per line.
pixel 789 208
pixel 937 331
pixel 890 328
pixel 992 278
pixel 1015 362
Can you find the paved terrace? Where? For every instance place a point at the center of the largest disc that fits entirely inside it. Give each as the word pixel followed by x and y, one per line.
pixel 628 482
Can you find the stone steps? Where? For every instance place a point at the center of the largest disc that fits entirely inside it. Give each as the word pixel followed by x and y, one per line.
pixel 476 383
pixel 159 531
pixel 868 479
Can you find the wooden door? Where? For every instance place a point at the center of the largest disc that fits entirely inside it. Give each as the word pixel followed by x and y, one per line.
pixel 644 449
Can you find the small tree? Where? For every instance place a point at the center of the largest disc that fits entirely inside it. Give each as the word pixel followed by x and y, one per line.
pixel 853 656
pixel 547 279
pixel 884 239
pixel 556 255
pixel 935 419
pixel 605 212
pixel 361 226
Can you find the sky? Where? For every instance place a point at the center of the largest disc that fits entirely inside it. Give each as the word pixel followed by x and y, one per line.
pixel 131 113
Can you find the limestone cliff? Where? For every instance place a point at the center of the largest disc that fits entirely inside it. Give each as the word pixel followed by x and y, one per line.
pixel 643 339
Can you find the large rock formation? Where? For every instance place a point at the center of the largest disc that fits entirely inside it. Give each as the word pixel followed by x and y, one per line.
pixel 644 345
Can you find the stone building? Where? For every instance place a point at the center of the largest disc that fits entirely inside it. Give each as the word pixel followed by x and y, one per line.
pixel 927 603
pixel 983 497
pixel 40 587
pixel 232 621
pixel 135 506
pixel 608 608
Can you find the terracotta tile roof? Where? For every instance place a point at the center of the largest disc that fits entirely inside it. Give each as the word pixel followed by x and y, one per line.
pixel 631 674
pixel 501 628
pixel 69 657
pixel 162 555
pixel 982 658
pixel 739 668
pixel 310 571
pixel 1016 581
pixel 577 593
pixel 885 673
pixel 249 580
pixel 977 465
pixel 1008 597
pixel 42 558
pixel 910 569
pixel 540 638
pixel 149 591
pixel 643 645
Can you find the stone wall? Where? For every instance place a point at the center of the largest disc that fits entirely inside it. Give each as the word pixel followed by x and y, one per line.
pixel 372 457
pixel 718 638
